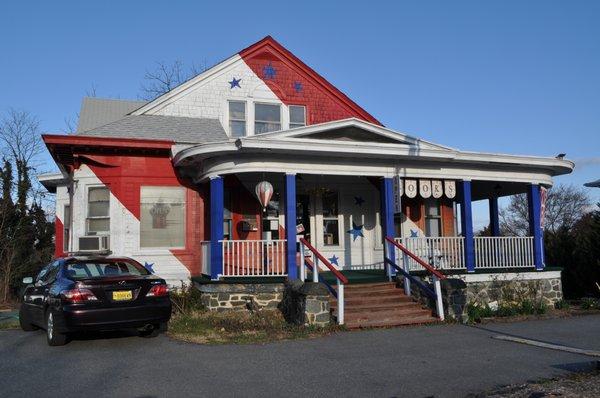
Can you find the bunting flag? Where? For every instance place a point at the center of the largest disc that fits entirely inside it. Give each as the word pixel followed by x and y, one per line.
pixel 437 189
pixel 450 189
pixel 410 188
pixel 425 188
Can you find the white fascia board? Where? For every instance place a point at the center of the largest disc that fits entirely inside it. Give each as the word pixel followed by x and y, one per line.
pixel 299 132
pixel 180 90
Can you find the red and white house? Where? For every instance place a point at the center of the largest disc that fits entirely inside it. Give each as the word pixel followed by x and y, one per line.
pixel 171 182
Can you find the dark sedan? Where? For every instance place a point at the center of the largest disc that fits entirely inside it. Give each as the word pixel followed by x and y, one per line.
pixel 94 293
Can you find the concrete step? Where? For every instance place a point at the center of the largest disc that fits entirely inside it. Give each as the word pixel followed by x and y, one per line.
pixel 390 322
pixel 410 312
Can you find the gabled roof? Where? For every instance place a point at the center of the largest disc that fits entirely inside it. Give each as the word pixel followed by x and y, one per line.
pixel 266 45
pixel 96 112
pixel 350 130
pixel 153 127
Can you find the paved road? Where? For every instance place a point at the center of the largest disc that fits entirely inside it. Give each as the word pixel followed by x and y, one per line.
pixel 440 361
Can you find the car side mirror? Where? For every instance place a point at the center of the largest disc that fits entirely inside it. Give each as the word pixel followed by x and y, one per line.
pixel 27 280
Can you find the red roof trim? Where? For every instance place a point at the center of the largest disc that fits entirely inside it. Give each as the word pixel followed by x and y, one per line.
pixel 132 143
pixel 268 41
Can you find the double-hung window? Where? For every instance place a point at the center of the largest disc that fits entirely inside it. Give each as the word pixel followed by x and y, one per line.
pixel 98 211
pixel 267 117
pixel 331 227
pixel 237 118
pixel 297 116
pixel 433 218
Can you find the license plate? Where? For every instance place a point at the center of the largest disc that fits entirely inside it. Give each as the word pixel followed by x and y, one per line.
pixel 122 295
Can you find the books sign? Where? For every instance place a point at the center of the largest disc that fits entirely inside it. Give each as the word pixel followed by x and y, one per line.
pixel 425 188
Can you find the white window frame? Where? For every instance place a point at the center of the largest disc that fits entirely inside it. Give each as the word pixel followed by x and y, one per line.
pixel 87 210
pixel 282 126
pixel 290 116
pixel 427 217
pixel 150 249
pixel 321 221
pixel 238 120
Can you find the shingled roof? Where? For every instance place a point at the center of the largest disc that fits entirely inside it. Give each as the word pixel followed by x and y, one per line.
pixel 174 128
pixel 96 112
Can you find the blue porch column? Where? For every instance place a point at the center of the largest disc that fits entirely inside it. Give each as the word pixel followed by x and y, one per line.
pixel 494 219
pixel 387 215
pixel 466 224
pixel 216 227
pixel 290 225
pixel 535 229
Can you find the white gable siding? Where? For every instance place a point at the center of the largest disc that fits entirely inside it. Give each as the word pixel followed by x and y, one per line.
pixel 208 97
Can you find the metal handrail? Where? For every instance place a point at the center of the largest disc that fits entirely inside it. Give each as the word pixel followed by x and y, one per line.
pixel 410 254
pixel 321 258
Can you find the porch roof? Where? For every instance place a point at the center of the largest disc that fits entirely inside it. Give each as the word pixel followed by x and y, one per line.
pixel 356 147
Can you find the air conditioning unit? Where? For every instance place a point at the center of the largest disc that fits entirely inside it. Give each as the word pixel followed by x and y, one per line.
pixel 94 243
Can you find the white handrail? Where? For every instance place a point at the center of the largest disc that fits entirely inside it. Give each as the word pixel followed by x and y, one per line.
pixel 255 258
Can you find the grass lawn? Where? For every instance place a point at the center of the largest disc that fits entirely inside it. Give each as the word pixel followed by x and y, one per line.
pixel 9 324
pixel 206 327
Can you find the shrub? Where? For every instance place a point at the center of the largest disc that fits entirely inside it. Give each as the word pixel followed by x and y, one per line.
pixel 476 312
pixel 562 305
pixel 186 299
pixel 590 303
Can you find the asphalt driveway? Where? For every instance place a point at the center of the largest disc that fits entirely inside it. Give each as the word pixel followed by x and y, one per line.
pixel 440 361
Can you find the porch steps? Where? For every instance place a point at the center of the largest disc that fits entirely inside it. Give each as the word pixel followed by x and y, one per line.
pixel 380 304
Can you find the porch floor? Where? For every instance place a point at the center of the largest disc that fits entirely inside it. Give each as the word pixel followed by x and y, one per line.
pixel 357 276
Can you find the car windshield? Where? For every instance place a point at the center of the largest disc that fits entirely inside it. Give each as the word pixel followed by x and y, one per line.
pixel 85 269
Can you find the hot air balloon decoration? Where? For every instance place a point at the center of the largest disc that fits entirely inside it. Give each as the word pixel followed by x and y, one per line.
pixel 264 192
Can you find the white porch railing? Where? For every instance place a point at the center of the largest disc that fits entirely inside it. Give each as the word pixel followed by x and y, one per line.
pixel 503 251
pixel 443 253
pixel 254 257
pixel 205 256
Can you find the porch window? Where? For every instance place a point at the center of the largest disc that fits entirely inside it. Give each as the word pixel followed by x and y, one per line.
pixel 331 233
pixel 98 217
pixel 237 118
pixel 297 116
pixel 66 227
pixel 267 117
pixel 433 218
pixel 162 217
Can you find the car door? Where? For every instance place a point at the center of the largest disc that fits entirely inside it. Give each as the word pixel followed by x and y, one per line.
pixel 38 295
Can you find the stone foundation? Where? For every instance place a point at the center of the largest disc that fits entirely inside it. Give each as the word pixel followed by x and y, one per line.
pixel 458 291
pixel 241 296
pixel 306 304
pixel 301 303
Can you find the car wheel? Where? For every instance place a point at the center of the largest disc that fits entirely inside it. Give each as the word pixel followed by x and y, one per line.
pixel 154 331
pixel 26 326
pixel 54 338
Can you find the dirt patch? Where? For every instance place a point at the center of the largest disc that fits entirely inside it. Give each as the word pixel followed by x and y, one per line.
pixel 580 385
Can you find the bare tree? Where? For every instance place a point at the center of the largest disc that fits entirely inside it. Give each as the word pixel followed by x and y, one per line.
pixel 166 77
pixel 565 205
pixel 20 137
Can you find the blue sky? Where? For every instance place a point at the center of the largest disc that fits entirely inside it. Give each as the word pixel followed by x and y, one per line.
pixel 519 77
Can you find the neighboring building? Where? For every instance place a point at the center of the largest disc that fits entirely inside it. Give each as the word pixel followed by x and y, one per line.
pixel 172 182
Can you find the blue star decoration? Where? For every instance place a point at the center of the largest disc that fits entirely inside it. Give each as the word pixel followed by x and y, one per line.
pixel 358 200
pixel 269 72
pixel 235 83
pixel 298 87
pixel 149 266
pixel 334 260
pixel 414 234
pixel 356 231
